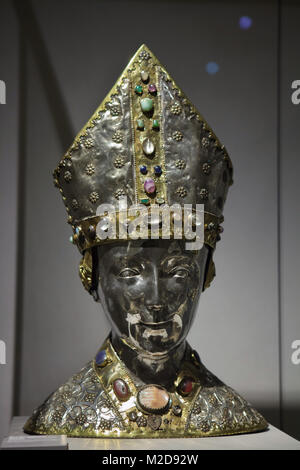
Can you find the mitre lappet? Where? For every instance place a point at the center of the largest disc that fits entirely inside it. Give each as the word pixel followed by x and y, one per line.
pixel 148 144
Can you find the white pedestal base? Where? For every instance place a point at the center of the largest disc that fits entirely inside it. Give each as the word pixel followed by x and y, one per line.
pixel 272 439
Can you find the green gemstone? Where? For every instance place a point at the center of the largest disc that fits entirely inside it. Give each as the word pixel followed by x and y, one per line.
pixel 147 105
pixel 155 124
pixel 140 124
pixel 145 201
pixel 139 89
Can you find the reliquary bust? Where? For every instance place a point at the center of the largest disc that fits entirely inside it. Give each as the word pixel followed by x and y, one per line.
pixel 146 146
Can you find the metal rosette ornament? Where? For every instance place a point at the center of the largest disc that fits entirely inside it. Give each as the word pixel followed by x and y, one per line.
pixel 146 142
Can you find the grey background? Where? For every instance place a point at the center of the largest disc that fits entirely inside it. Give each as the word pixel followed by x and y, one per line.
pixel 59 59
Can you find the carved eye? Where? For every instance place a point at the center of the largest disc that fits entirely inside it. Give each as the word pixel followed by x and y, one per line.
pixel 179 271
pixel 129 272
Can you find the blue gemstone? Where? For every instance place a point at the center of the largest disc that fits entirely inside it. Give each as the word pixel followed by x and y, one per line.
pixel 143 169
pixel 100 357
pixel 157 170
pixel 77 230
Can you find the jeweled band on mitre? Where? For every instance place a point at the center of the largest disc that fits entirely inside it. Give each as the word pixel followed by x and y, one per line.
pixel 148 143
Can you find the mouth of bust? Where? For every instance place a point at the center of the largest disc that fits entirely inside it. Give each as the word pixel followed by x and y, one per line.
pixel 160 335
pixel 158 324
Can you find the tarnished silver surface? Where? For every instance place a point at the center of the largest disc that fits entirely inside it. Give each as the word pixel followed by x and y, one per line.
pixel 81 403
pixel 184 136
pixel 92 165
pixel 85 406
pixel 187 148
pixel 149 289
pixel 219 409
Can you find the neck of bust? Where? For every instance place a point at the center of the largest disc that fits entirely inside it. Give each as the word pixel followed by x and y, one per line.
pixel 150 368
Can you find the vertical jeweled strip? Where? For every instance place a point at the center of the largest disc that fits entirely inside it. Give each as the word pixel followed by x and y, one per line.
pixel 139 136
pixel 163 177
pixel 133 140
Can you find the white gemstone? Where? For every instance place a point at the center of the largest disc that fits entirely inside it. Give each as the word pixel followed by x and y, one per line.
pixel 148 147
pixel 144 76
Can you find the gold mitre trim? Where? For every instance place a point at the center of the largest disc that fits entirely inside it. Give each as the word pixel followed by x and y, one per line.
pixel 131 66
pixel 86 238
pixel 104 162
pixel 86 233
pixel 142 59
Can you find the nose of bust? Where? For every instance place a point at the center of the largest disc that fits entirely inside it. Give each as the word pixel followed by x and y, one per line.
pixel 157 312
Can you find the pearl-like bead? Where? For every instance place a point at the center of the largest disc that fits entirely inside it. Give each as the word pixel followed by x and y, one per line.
pixel 144 76
pixel 148 147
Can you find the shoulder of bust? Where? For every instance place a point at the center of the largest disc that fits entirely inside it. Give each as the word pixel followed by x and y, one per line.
pixel 79 406
pixel 219 410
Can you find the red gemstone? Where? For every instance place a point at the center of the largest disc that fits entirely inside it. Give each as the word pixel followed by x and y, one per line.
pixel 121 389
pixel 186 385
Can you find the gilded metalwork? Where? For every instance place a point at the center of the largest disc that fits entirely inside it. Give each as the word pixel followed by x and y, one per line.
pixel 74 204
pixel 147 142
pixel 119 162
pixel 115 110
pixel 89 143
pixel 176 108
pixel 180 164
pixel 206 168
pixel 203 193
pixel 181 191
pixel 67 176
pixel 205 142
pixel 93 197
pixel 86 406
pixel 177 135
pixel 90 169
pixel 176 117
pixel 117 137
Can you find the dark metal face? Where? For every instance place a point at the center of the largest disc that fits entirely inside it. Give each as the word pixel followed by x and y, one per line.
pixel 150 290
